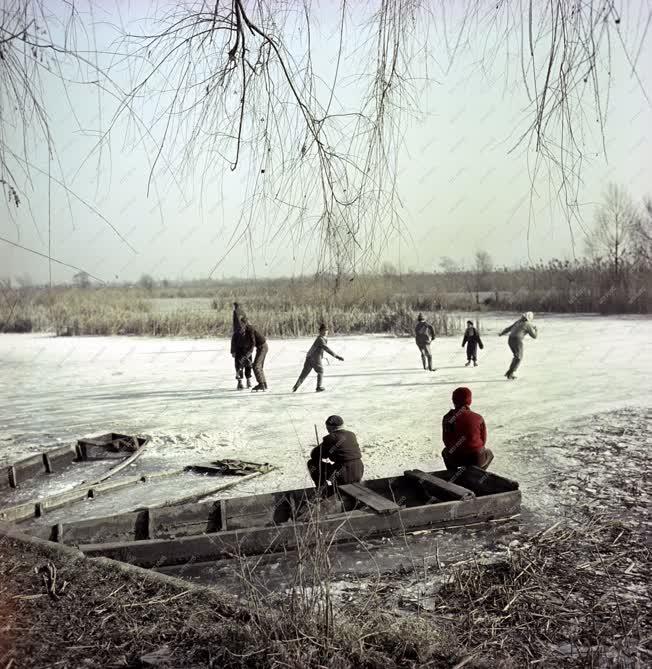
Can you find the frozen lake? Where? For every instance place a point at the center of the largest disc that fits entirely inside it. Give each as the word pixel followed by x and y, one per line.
pixel 182 392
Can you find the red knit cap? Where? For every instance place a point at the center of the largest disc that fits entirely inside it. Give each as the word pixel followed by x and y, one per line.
pixel 462 397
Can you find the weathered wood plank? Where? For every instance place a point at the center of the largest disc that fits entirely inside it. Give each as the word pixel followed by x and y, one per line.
pixel 14 514
pixel 441 489
pixel 27 469
pixel 483 482
pixel 61 457
pixel 184 520
pixel 369 498
pixel 346 527
pixel 133 525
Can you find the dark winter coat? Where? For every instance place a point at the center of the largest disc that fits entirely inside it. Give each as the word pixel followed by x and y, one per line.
pixel 316 353
pixel 472 341
pixel 241 343
pixel 464 433
pixel 341 447
pixel 256 339
pixel 423 333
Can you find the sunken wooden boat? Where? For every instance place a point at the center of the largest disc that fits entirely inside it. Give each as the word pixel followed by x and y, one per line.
pixel 56 459
pixel 285 520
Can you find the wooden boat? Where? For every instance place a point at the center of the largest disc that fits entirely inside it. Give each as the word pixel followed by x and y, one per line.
pixel 37 508
pixel 284 520
pixel 57 459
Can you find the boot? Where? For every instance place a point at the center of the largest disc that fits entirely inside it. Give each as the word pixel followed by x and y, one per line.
pixel 320 389
pixel 240 386
pixel 248 383
pixel 475 363
pixel 256 388
pixel 468 362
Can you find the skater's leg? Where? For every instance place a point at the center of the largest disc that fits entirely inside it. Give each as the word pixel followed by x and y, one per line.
pixel 259 362
pixel 423 357
pixel 307 368
pixel 247 370
pixel 516 346
pixel 320 376
pixel 428 356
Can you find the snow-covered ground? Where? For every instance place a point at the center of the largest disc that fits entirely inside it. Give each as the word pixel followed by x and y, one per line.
pixel 182 392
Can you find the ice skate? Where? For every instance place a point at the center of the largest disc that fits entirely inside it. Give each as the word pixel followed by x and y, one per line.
pixel 240 386
pixel 320 389
pixel 468 362
pixel 258 387
pixel 295 387
pixel 475 363
pixel 248 383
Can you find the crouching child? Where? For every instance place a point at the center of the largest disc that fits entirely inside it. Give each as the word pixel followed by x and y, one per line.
pixel 464 434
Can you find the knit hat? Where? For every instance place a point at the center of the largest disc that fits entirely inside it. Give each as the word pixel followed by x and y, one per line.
pixel 528 315
pixel 462 397
pixel 469 322
pixel 420 317
pixel 334 421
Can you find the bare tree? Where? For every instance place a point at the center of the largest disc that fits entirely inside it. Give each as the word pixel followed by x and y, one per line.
pixel 615 223
pixel 642 235
pixel 235 85
pixel 448 265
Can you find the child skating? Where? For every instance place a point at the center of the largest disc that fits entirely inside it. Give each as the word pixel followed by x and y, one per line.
pixel 315 359
pixel 517 331
pixel 471 341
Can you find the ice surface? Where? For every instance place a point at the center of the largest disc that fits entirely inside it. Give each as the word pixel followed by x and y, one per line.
pixel 182 392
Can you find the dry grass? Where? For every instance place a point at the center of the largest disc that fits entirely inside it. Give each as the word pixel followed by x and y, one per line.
pixel 296 307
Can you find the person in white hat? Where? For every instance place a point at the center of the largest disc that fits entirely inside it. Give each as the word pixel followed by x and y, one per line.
pixel 517 331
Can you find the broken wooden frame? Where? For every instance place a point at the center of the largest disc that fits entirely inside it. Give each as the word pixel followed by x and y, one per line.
pixel 38 508
pixel 273 522
pixel 89 449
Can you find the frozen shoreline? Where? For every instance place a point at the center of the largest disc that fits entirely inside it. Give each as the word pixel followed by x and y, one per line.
pixel 182 392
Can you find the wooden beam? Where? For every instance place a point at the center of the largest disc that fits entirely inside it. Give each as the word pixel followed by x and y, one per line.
pixel 441 489
pixel 369 498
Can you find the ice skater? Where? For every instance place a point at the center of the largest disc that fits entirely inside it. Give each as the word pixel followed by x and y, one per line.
pixel 242 350
pixel 315 360
pixel 259 342
pixel 517 332
pixel 471 341
pixel 423 335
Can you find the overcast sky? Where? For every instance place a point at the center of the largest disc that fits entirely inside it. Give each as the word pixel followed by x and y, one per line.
pixel 463 186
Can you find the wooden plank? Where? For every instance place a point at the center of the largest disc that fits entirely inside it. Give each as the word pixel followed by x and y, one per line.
pixel 169 522
pixel 11 473
pixel 483 482
pixel 61 457
pixel 5 481
pixel 440 488
pixel 27 469
pixel 134 526
pixel 125 463
pixel 346 527
pixel 369 498
pixel 14 514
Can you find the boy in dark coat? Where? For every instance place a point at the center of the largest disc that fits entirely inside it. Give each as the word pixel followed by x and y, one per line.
pixel 472 341
pixel 337 460
pixel 423 335
pixel 315 360
pixel 242 350
pixel 464 434
pixel 256 340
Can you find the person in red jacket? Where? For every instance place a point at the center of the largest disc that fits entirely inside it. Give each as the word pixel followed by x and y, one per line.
pixel 464 434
